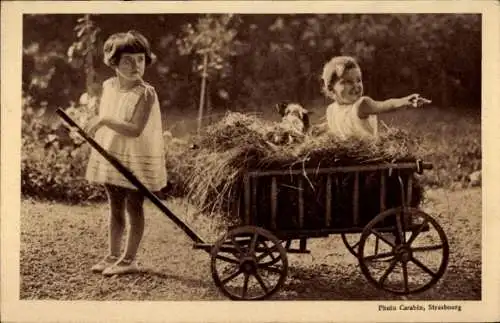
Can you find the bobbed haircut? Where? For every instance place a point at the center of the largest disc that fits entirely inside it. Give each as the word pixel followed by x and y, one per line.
pixel 130 42
pixel 335 69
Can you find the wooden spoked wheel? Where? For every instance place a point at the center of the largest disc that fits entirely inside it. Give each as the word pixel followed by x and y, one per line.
pixel 249 263
pixel 416 252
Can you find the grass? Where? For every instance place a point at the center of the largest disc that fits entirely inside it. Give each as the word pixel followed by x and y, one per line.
pixel 59 243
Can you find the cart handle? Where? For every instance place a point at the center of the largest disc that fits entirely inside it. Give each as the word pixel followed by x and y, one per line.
pixel 131 177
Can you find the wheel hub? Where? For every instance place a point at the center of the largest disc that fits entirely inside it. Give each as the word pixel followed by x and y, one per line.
pixel 248 265
pixel 403 253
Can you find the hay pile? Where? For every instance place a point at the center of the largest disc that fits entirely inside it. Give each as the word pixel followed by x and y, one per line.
pixel 212 175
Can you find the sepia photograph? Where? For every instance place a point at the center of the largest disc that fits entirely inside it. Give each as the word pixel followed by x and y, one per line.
pixel 266 157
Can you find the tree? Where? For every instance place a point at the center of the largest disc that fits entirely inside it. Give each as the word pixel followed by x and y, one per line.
pixel 83 53
pixel 212 40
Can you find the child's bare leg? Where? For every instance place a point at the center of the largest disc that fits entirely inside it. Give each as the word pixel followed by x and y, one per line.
pixel 135 201
pixel 116 196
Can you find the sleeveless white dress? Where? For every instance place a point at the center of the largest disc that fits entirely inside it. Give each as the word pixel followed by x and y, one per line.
pixel 143 155
pixel 344 122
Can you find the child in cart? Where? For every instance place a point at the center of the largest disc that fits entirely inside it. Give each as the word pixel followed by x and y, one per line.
pixel 351 114
pixel 128 126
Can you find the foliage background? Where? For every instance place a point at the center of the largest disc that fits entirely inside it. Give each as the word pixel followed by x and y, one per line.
pixel 255 61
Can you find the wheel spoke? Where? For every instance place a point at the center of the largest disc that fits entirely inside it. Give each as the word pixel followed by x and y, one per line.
pixel 261 282
pixel 271 269
pixel 227 259
pixel 405 276
pixel 252 244
pixel 428 248
pixel 423 267
pixel 377 239
pixel 236 245
pixel 417 232
pixel 387 272
pixel 399 225
pixel 378 256
pixel 381 237
pixel 269 252
pixel 231 277
pixel 245 286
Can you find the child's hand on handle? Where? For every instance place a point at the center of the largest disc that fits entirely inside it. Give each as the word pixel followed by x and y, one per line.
pixel 93 125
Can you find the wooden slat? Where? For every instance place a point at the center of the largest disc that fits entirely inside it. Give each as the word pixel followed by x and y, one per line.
pixel 274 200
pixel 409 190
pixel 383 190
pixel 336 196
pixel 301 202
pixel 253 216
pixel 235 207
pixel 355 199
pixel 328 202
pixel 247 203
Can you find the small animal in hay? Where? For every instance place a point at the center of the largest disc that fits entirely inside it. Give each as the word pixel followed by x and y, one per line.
pixel 294 123
pixel 294 116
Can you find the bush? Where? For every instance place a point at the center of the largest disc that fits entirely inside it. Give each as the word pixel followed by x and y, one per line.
pixel 53 161
pixel 57 174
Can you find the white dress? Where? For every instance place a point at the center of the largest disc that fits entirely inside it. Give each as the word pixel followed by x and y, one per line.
pixel 143 155
pixel 344 122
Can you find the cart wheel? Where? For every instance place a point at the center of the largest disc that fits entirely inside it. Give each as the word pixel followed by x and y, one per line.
pixel 249 263
pixel 352 241
pixel 417 248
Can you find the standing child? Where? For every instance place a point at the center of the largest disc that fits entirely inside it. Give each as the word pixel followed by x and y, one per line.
pixel 351 114
pixel 129 127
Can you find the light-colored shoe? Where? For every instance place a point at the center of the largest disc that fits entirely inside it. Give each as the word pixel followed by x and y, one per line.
pixel 123 266
pixel 104 263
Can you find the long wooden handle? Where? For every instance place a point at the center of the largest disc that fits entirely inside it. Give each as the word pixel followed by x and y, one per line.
pixel 131 177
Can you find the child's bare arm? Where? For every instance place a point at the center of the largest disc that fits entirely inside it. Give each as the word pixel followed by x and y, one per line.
pixel 368 106
pixel 136 125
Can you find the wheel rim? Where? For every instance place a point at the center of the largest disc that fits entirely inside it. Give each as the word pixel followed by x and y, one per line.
pixel 418 251
pixel 248 263
pixel 353 240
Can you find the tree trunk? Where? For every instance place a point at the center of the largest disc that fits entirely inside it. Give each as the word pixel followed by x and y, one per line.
pixel 202 92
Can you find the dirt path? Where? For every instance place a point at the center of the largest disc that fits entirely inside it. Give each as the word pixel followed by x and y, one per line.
pixel 59 243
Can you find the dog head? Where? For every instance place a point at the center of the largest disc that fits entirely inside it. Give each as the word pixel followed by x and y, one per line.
pixel 295 114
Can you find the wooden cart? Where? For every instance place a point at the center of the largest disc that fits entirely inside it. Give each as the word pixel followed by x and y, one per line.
pixel 400 249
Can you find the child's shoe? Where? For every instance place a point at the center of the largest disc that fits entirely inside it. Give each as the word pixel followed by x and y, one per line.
pixel 104 263
pixel 123 266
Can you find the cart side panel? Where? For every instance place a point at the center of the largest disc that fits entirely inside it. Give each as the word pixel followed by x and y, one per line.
pixel 283 193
